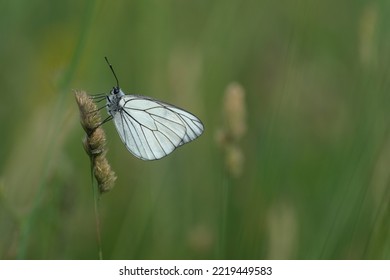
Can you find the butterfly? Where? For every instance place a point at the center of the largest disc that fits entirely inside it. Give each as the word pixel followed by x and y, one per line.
pixel 149 128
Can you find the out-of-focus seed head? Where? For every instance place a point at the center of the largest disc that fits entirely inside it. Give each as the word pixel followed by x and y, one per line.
pixel 234 160
pixel 235 111
pixel 229 135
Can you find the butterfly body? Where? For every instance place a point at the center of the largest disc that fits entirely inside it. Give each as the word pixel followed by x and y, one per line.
pixel 149 128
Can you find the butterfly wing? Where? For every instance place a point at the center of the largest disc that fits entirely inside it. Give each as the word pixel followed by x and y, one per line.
pixel 152 129
pixel 194 127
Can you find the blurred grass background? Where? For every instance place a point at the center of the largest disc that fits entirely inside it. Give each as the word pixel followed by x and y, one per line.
pixel 313 164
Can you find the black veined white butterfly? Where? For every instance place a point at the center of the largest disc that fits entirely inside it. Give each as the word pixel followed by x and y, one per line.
pixel 150 129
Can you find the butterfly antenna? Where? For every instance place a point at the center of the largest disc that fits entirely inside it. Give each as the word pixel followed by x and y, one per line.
pixel 113 72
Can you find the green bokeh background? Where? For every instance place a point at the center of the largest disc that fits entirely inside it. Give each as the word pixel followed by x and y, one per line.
pixel 315 176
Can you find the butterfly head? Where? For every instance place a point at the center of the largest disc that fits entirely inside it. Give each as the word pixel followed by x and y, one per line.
pixel 115 90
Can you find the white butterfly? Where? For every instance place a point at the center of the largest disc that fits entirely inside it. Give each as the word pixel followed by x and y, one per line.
pixel 149 128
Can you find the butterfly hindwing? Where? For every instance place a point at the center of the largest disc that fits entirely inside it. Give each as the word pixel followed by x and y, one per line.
pixel 152 129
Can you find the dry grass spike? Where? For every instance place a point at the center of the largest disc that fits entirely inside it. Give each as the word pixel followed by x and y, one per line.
pixel 95 141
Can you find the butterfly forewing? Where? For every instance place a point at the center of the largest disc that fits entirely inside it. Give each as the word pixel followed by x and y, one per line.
pixel 194 126
pixel 152 129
